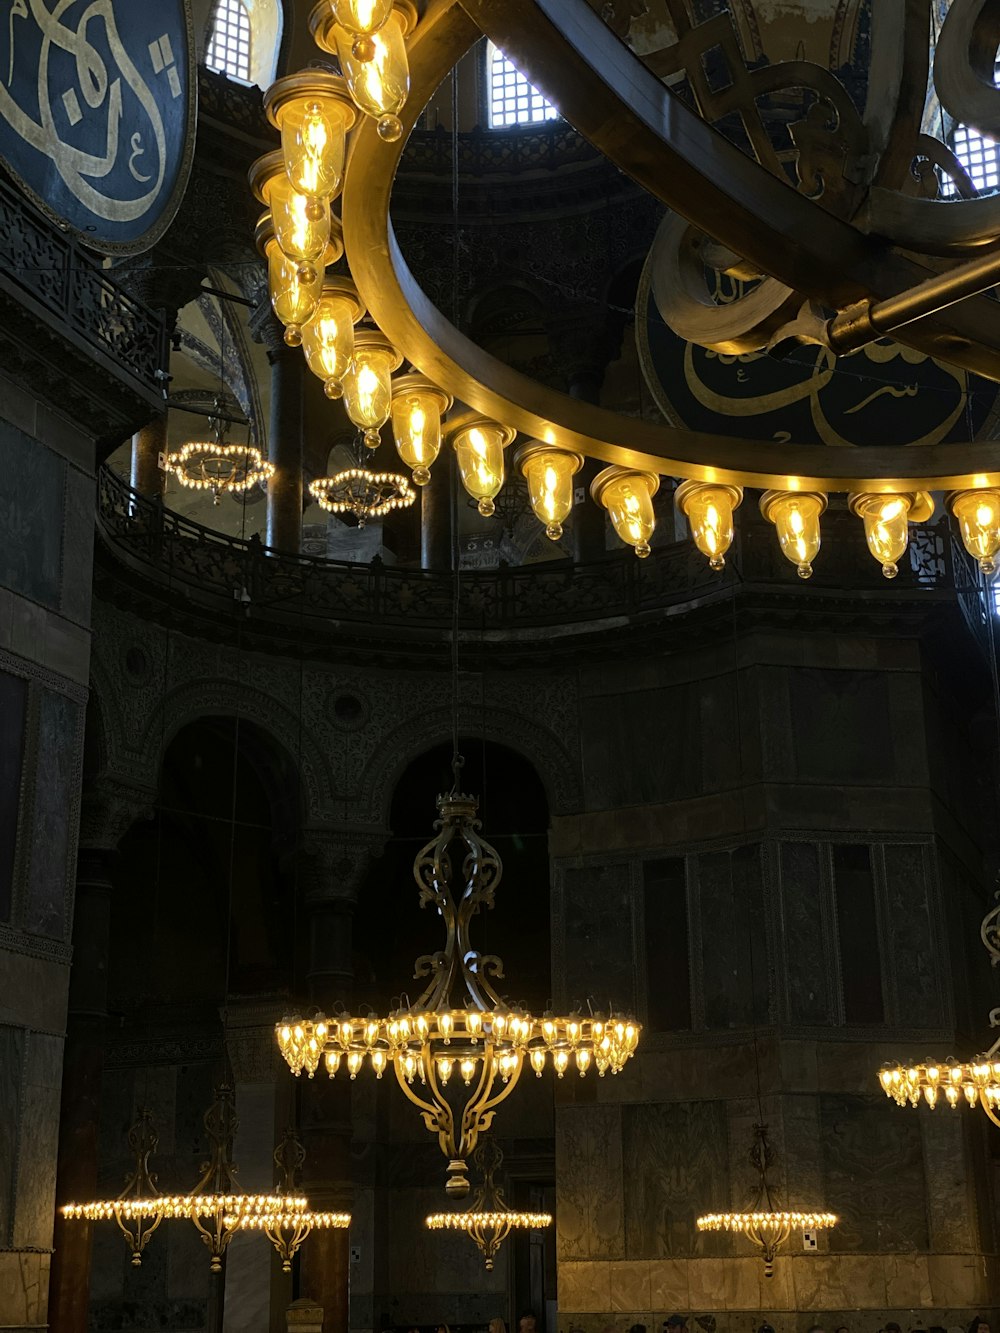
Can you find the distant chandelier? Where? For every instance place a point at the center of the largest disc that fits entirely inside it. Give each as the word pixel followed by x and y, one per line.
pixel 365 494
pixel 216 1209
pixel 213 465
pixel 459 1050
pixel 489 1221
pixel 975 1083
pixel 764 1222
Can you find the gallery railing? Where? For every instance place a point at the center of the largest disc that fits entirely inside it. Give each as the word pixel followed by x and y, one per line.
pixel 55 278
pixel 272 583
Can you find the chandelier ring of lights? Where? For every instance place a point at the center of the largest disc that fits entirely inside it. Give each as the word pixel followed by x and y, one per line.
pixel 431 342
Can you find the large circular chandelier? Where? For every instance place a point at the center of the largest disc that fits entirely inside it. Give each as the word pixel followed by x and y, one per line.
pixel 459 1050
pixel 763 1222
pixel 489 1221
pixel 954 1083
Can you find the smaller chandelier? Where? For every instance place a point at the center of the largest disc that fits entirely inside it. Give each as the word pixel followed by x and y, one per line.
pixel 489 1221
pixel 365 494
pixel 213 1206
pixel 764 1223
pixel 213 465
pixel 955 1082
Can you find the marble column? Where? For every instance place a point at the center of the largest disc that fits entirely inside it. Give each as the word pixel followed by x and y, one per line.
pixel 107 815
pixel 437 513
pixel 284 445
pixel 149 445
pixel 333 865
pixel 252 1264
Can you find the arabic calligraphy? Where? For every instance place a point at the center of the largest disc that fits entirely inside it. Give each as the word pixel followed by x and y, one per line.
pixel 95 106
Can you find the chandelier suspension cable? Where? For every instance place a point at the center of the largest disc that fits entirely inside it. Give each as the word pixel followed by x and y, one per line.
pixel 457 760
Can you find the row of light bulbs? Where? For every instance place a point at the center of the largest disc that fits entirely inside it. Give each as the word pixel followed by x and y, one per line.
pixel 301 237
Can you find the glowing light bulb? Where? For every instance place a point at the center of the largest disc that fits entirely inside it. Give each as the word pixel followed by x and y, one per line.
pixel 368 383
pixel 796 515
pixel 302 225
pixel 328 335
pixel 537 1058
pixel 295 289
pixel 417 407
pixel 978 516
pixel 361 19
pixel 709 511
pixel 549 474
pixel 479 447
pixel 886 518
pixel 444 1068
pixel 628 498
pixel 375 66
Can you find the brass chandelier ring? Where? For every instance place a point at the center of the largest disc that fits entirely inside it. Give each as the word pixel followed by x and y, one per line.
pixel 795 235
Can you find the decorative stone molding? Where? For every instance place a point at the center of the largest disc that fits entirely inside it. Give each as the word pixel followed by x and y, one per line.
pixel 109 810
pixel 249 1039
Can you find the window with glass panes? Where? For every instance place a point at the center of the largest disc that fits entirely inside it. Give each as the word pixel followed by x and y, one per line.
pixel 512 99
pixel 979 155
pixel 229 44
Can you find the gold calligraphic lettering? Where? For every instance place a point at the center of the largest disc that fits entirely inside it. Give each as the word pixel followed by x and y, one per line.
pixel 100 88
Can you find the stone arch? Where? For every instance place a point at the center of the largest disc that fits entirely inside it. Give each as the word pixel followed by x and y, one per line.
pixel 558 769
pixel 217 697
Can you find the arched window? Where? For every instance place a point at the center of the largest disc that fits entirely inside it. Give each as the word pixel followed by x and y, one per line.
pixel 512 99
pixel 979 155
pixel 229 44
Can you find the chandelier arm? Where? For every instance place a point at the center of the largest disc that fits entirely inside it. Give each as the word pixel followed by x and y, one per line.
pixel 427 338
pixel 139 1238
pixel 506 1088
pixel 426 1108
pixel 217 1238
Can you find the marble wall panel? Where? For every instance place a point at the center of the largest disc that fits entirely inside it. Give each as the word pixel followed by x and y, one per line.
pixel 839 1282
pixel 585 1287
pixel 12 1044
pixel 36 1172
pixel 951 1190
pixel 13 713
pixel 32 483
pixel 590 1217
pixel 842 730
pixel 914 948
pixel 55 796
pixel 668 1285
pixel 873 1164
pixel 78 568
pixel 676 1167
pixel 597 915
pixel 24 1290
pixel 733 964
pixel 806 951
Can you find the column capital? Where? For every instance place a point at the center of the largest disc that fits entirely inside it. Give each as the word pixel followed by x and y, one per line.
pixel 333 862
pixel 109 810
pixel 266 328
pixel 250 1044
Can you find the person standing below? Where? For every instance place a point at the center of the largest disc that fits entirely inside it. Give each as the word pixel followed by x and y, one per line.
pixel 527 1323
pixel 677 1323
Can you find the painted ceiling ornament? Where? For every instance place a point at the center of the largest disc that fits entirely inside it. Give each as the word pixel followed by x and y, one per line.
pixel 98 112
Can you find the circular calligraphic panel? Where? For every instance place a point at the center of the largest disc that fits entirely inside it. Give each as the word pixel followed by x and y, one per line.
pixel 885 393
pixel 98 113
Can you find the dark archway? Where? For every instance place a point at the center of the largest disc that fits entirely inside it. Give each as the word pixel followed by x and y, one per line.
pixel 392 929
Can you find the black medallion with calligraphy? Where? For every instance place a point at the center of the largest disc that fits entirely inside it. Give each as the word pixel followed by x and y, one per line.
pixel 885 393
pixel 97 112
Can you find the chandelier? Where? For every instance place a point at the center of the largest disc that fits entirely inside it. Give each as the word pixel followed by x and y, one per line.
pixel 764 1223
pixel 214 1206
pixel 213 465
pixel 459 1050
pixel 365 494
pixel 956 1083
pixel 489 1221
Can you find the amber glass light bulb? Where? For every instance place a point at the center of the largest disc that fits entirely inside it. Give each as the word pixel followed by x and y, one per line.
pixel 549 474
pixel 361 18
pixel 886 519
pixel 328 337
pixel 301 224
pixel 709 510
pixel 978 517
pixel 796 515
pixel 380 83
pixel 628 498
pixel 479 449
pixel 313 142
pixel 292 298
pixel 368 384
pixel 417 405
